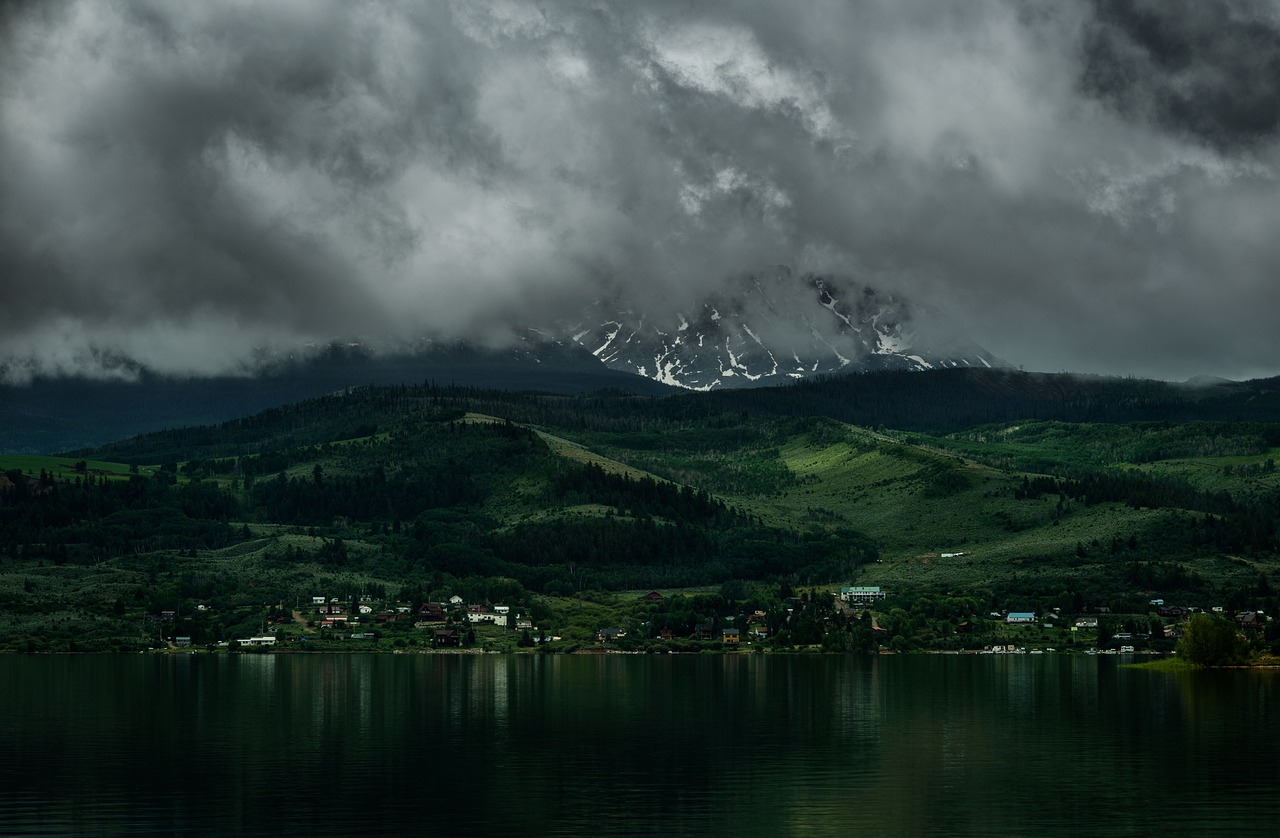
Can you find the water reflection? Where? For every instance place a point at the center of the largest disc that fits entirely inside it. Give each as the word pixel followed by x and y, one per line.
pixel 259 744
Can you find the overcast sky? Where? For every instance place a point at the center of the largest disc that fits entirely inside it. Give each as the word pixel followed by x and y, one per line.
pixel 1088 187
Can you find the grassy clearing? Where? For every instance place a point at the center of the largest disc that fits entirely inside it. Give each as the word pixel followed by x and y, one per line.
pixel 918 503
pixel 570 450
pixel 581 454
pixel 64 467
pixel 1164 665
pixel 1209 473
pixel 919 500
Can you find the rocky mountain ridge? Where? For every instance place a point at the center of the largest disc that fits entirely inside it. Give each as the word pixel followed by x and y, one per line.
pixel 770 330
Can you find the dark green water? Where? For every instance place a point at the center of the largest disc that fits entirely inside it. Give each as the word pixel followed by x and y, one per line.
pixel 532 745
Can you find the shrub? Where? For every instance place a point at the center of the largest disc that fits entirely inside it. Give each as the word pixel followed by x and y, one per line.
pixel 1211 641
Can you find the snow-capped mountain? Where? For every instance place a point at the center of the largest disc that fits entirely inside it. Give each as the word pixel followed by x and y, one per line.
pixel 770 330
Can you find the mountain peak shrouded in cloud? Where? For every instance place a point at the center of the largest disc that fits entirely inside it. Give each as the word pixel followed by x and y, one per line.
pixel 1084 186
pixel 770 328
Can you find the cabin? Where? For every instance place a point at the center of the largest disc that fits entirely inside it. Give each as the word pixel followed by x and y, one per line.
pixel 1250 621
pixel 431 612
pixel 1020 617
pixel 730 636
pixel 446 639
pixel 610 633
pixel 652 596
pixel 703 631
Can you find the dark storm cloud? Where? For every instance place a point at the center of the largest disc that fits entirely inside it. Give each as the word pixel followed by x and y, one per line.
pixel 1078 187
pixel 1211 70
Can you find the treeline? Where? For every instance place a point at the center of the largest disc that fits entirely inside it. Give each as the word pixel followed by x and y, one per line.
pixel 567 556
pixel 1250 469
pixel 950 400
pixel 1053 447
pixel 441 465
pixel 1131 488
pixel 938 401
pixel 352 414
pixel 95 519
pixel 642 497
pixel 1233 523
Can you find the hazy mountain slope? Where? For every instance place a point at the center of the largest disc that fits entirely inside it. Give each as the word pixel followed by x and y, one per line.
pixel 770 329
pixel 63 414
pixel 947 400
pixel 937 401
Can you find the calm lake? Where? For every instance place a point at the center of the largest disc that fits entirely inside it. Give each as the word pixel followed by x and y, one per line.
pixel 619 745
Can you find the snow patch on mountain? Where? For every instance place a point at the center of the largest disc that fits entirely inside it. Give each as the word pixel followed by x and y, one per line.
pixel 735 338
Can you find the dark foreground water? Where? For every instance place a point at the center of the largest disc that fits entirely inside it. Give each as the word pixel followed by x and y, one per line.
pixel 521 746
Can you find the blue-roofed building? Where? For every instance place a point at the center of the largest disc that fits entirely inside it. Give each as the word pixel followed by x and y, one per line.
pixel 1020 617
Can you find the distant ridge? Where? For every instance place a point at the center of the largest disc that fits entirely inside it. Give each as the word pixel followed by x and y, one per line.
pixel 947 400
pixel 53 415
pixel 939 401
pixel 1207 381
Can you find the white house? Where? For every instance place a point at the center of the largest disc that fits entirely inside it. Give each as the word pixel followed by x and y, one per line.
pixel 860 593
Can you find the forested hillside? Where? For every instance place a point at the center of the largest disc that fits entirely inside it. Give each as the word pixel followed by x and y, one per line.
pixel 412 490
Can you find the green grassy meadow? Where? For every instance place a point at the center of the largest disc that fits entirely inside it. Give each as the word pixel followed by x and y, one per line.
pixel 63 467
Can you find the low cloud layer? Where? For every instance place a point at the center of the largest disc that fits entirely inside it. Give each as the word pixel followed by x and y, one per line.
pixel 1079 186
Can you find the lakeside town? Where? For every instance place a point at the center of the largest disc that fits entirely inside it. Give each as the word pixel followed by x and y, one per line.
pixel 866 619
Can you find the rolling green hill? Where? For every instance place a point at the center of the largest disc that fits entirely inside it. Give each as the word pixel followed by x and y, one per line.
pixel 409 490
